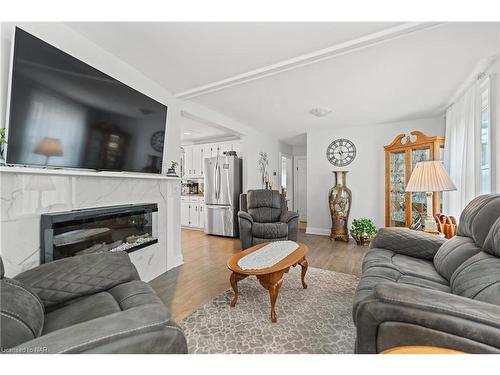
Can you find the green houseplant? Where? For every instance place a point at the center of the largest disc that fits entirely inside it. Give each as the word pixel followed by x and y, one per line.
pixel 363 231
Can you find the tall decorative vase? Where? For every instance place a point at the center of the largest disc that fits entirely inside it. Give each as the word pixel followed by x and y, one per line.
pixel 339 199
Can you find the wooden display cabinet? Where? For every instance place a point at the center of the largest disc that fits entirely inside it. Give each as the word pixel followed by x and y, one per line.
pixel 402 209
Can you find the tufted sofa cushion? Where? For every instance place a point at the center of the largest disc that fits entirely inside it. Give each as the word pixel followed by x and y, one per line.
pixel 453 253
pixel 492 242
pixel 21 313
pixel 270 230
pixel 121 297
pixel 264 205
pixel 478 278
pixel 478 217
pixel 81 275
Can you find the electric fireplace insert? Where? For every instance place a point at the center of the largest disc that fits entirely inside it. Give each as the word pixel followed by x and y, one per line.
pixel 96 230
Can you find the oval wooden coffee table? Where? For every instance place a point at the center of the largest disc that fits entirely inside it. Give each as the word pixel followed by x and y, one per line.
pixel 270 278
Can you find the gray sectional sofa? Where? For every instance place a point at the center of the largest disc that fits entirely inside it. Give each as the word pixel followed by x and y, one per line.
pixel 420 289
pixel 86 304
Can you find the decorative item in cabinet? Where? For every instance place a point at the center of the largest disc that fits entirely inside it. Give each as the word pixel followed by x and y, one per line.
pixel 404 209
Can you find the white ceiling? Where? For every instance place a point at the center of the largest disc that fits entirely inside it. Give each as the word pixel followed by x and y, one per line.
pixel 200 131
pixel 408 77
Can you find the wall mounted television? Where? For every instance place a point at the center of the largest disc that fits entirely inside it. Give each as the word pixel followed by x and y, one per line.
pixel 63 113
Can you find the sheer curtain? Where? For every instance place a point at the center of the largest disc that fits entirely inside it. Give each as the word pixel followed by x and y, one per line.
pixel 461 152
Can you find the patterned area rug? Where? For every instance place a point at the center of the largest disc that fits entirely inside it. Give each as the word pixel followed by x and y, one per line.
pixel 313 320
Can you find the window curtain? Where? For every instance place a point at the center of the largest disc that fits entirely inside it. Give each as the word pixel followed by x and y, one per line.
pixel 461 152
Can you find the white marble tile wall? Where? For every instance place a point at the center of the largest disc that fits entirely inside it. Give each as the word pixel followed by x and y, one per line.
pixel 24 197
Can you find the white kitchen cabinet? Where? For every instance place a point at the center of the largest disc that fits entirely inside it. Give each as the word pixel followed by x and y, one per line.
pixel 201 214
pixel 194 156
pixel 185 208
pixel 193 212
pixel 188 161
pixel 237 148
pixel 196 160
pixel 206 152
pixel 223 147
pixel 194 215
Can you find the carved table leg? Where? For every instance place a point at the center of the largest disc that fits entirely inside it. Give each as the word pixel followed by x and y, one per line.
pixel 234 284
pixel 304 265
pixel 272 282
pixel 273 293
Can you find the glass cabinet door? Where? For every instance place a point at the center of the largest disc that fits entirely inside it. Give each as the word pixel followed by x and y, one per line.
pixel 397 189
pixel 419 200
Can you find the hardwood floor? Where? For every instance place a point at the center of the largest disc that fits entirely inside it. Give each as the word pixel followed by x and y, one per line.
pixel 204 273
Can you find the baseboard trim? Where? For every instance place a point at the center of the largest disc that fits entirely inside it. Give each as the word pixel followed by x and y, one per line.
pixel 318 231
pixel 179 260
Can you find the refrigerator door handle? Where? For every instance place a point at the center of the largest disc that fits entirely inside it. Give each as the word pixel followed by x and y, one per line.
pixel 220 181
pixel 215 179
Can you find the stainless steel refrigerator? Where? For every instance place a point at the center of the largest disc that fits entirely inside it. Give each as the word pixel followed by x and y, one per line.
pixel 222 192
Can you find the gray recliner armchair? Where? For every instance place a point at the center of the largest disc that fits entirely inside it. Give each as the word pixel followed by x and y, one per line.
pixel 92 303
pixel 420 289
pixel 264 217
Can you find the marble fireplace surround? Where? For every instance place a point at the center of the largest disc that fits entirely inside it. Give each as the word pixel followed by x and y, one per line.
pixel 26 193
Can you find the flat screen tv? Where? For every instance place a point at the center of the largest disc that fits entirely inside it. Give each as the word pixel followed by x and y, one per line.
pixel 65 113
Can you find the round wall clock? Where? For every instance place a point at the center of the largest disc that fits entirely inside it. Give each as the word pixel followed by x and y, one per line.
pixel 341 152
pixel 157 140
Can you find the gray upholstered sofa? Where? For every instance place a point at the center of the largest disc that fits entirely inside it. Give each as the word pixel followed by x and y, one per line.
pixel 86 304
pixel 264 217
pixel 420 289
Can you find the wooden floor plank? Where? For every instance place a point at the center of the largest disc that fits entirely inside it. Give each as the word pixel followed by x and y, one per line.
pixel 204 274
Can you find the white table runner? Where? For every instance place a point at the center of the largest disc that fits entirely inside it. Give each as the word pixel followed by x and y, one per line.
pixel 268 255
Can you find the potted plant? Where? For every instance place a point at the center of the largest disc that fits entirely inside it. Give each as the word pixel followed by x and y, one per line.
pixel 171 171
pixel 363 231
pixel 3 142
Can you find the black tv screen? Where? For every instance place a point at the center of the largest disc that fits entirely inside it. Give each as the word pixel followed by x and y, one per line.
pixel 65 113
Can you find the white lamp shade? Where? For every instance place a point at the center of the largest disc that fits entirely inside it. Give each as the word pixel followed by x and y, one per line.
pixel 429 176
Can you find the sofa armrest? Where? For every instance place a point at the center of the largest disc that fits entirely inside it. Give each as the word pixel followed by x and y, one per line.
pixel 245 215
pixel 69 278
pixel 455 322
pixel 144 329
pixel 288 216
pixel 404 241
pixel 245 222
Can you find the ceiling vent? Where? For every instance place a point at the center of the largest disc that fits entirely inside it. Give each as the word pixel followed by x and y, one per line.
pixel 320 111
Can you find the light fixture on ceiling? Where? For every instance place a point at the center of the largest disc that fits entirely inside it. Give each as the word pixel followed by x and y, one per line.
pixel 187 133
pixel 320 111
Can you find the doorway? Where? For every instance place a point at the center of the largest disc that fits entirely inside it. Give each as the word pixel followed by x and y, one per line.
pixel 286 177
pixel 300 186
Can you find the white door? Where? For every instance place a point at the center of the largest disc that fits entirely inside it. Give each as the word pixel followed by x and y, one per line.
pixel 184 213
pixel 286 177
pixel 300 184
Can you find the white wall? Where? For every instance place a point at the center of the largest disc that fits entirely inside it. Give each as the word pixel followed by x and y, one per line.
pixel 366 177
pixel 299 150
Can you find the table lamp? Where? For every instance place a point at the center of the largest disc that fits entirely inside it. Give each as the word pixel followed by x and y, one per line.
pixel 49 147
pixel 429 177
